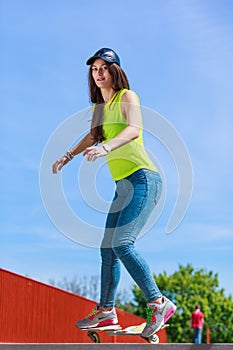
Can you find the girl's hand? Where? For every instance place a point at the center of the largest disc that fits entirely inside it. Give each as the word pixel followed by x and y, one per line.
pixel 94 152
pixel 58 165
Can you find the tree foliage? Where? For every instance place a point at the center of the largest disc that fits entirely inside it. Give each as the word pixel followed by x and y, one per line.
pixel 186 288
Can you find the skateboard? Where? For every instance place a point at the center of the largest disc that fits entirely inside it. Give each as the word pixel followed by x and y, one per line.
pixel 93 333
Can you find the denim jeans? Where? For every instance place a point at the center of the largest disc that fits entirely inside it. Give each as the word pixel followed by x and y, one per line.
pixel 197 336
pixel 134 200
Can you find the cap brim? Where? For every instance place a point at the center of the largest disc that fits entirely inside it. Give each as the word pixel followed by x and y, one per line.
pixel 93 58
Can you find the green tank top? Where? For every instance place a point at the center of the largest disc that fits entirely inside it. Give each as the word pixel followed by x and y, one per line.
pixel 131 157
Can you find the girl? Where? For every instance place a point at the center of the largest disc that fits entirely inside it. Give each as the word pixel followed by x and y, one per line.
pixel 116 132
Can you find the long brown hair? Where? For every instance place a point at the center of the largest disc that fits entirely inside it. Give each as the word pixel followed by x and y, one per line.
pixel 119 81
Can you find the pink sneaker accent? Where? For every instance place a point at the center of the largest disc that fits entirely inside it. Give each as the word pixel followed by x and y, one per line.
pixel 153 318
pixel 106 323
pixel 169 314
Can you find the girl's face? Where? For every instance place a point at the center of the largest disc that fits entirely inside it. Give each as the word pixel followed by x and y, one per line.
pixel 101 74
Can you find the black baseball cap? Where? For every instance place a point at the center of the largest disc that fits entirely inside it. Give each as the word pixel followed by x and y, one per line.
pixel 105 54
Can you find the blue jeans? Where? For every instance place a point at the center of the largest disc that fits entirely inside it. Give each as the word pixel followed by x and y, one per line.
pixel 197 335
pixel 134 200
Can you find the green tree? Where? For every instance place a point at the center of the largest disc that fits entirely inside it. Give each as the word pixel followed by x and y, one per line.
pixel 188 287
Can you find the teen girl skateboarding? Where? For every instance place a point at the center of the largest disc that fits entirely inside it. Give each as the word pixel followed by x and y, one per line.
pixel 116 132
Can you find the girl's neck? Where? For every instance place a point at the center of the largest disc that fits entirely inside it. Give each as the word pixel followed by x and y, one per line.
pixel 107 94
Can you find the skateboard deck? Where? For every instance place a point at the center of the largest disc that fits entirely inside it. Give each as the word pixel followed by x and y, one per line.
pixel 118 331
pixel 131 330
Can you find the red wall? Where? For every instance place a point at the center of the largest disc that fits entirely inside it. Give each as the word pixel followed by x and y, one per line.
pixel 33 312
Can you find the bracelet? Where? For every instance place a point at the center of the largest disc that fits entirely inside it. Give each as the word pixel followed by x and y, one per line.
pixel 106 148
pixel 69 154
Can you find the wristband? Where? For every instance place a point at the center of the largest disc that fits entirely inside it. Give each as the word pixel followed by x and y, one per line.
pixel 107 148
pixel 69 154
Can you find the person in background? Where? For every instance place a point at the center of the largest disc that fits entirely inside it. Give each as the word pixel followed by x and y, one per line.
pixel 197 322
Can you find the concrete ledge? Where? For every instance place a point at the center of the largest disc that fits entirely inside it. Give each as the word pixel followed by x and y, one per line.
pixel 118 346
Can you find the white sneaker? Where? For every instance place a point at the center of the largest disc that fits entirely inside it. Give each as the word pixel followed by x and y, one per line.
pixel 97 318
pixel 157 316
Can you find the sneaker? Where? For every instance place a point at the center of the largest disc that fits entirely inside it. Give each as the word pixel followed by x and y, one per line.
pixel 97 318
pixel 157 316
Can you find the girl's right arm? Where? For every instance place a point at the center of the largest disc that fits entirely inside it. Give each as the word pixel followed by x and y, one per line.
pixel 87 141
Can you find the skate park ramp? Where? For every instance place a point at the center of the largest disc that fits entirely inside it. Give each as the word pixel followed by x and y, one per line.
pixel 115 346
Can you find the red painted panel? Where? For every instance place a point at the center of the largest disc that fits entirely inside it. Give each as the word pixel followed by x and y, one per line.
pixel 33 312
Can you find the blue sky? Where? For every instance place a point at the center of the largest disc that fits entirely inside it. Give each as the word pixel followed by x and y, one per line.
pixel 178 57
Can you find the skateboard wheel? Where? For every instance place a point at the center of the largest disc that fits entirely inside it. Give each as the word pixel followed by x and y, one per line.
pixel 94 336
pixel 153 339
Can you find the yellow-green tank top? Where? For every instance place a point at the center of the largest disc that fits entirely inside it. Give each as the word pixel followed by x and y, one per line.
pixel 131 157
